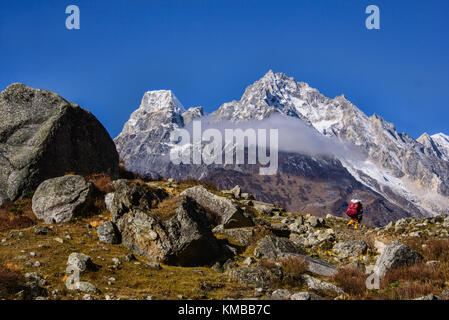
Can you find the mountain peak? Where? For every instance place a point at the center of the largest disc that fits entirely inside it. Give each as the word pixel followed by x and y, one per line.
pixel 161 100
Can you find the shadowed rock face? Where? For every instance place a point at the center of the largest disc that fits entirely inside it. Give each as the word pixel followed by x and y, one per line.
pixel 44 136
pixel 184 239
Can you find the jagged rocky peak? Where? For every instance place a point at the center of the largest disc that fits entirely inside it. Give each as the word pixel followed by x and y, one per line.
pixel 161 100
pixel 192 114
pixel 437 144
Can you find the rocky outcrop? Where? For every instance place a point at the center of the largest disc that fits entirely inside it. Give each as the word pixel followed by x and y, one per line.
pixel 229 214
pixel 396 255
pixel 183 239
pixel 273 248
pixel 63 198
pixel 132 195
pixel 44 136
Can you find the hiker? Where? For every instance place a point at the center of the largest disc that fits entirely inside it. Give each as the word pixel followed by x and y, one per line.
pixel 355 212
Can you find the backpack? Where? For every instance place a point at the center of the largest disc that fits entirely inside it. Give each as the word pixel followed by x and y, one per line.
pixel 353 209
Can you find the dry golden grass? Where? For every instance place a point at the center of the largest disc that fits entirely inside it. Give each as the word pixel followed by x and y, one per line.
pixel 133 281
pixel 166 209
pixel 17 215
pixel 101 181
pixel 194 182
pixel 351 280
pixel 10 281
pixel 294 266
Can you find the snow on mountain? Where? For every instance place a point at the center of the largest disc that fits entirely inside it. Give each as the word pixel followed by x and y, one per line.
pixel 442 142
pixel 411 174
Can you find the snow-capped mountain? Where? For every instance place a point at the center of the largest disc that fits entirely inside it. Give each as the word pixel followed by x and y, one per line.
pixel 400 176
pixel 398 166
pixel 437 143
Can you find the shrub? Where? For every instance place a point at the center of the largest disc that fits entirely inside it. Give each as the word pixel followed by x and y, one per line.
pixel 294 266
pixel 351 280
pixel 10 282
pixel 101 181
pixel 166 209
pixel 17 215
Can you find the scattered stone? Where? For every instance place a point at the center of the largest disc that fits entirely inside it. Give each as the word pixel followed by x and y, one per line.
pixel 129 257
pixel 249 261
pixel 352 248
pixel 153 265
pixel 41 230
pixel 257 276
pixel 429 297
pixel 319 285
pixel 108 233
pixel 305 296
pixel 80 261
pixel 281 294
pixel 432 263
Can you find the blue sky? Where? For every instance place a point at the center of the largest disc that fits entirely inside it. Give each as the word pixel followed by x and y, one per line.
pixel 209 51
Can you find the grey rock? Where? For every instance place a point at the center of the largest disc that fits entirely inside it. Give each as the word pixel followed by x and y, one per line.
pixel 316 222
pixel 281 294
pixel 396 255
pixel 305 296
pixel 61 199
pixel 273 248
pixel 44 136
pixel 130 195
pixel 314 266
pixel 353 248
pixel 183 239
pixel 85 286
pixel 319 285
pixel 80 261
pixel 242 235
pixel 226 211
pixel 41 230
pixel 429 297
pixel 257 276
pixel 153 265
pixel 108 233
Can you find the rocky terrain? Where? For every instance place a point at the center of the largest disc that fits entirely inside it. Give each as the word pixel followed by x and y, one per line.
pixel 184 240
pixel 365 157
pixel 74 224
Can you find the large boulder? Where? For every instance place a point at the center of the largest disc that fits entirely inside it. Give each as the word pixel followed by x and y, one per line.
pixel 183 238
pixel 61 199
pixel 228 213
pixel 273 248
pixel 396 255
pixel 130 195
pixel 44 136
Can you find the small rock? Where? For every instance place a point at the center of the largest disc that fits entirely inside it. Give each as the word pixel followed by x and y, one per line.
pixel 40 230
pixel 59 240
pixel 249 261
pixel 153 265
